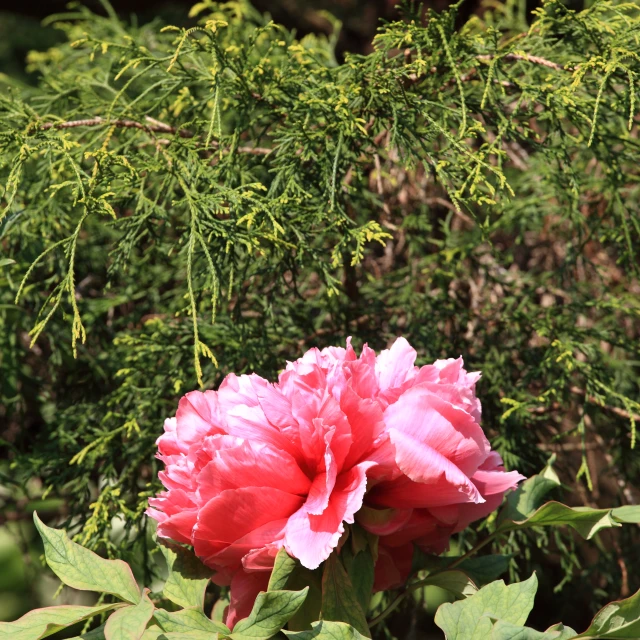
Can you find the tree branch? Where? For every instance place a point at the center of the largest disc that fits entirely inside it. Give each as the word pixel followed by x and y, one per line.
pixel 151 126
pixel 535 59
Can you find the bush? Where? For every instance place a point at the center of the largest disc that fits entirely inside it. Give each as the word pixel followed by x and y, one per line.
pixel 180 204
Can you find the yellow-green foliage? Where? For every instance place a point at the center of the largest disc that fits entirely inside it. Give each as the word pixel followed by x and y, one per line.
pixel 179 204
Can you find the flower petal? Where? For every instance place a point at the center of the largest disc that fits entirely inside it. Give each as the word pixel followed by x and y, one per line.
pixel 431 480
pixel 251 464
pixel 312 538
pixel 395 364
pixel 452 432
pixel 198 416
pixel 245 588
pixel 393 566
pixel 366 422
pixel 235 513
pixel 382 522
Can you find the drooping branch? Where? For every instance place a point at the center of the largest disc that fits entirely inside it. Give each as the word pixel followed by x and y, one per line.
pixel 151 126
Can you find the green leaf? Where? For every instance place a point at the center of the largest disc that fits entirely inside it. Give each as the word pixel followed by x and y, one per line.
pixel 339 599
pixel 6 261
pixel 41 623
pixel 360 569
pixel 94 634
pixel 82 569
pixel 188 577
pixel 153 632
pixel 529 495
pixel 282 569
pixel 156 633
pixel 586 521
pixel 309 612
pixel 560 632
pixel 628 515
pixel 471 619
pixel 523 509
pixel 456 582
pixel 617 620
pixel 188 620
pixel 271 611
pixel 485 569
pixel 506 631
pixel 219 609
pixel 130 622
pixel 326 630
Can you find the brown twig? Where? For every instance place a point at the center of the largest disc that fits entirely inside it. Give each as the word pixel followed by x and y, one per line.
pixel 535 59
pixel 616 410
pixel 151 126
pixel 509 56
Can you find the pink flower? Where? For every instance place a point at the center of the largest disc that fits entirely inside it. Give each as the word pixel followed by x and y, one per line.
pixel 257 466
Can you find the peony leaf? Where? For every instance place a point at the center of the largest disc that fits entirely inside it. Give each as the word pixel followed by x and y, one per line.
pixel 282 569
pixel 481 569
pixel 326 630
pixel 455 582
pixel 506 631
pixel 339 599
pixel 41 623
pixel 129 623
pixel 220 608
pixel 471 619
pixel 188 620
pixel 617 620
pixel 271 611
pixel 82 569
pixel 560 632
pixel 94 634
pixel 156 633
pixel 522 502
pixel 485 569
pixel 586 521
pixel 188 577
pixel 360 569
pixel 524 509
pixel 627 515
pixel 153 632
pixel 310 609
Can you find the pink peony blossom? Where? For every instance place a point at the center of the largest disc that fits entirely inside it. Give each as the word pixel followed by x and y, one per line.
pixel 338 439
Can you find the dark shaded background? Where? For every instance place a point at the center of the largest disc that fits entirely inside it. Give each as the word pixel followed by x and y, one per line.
pixel 21 31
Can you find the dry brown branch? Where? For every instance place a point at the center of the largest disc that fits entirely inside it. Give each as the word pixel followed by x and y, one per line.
pixel 615 410
pixel 535 59
pixel 151 126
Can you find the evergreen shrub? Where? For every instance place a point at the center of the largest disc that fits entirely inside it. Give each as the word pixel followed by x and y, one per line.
pixel 180 203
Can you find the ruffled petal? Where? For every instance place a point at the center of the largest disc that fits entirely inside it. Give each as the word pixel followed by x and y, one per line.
pixel 430 479
pixel 312 538
pixel 366 422
pixel 251 464
pixel 234 514
pixel 452 432
pixel 198 416
pixel 395 364
pixel 245 551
